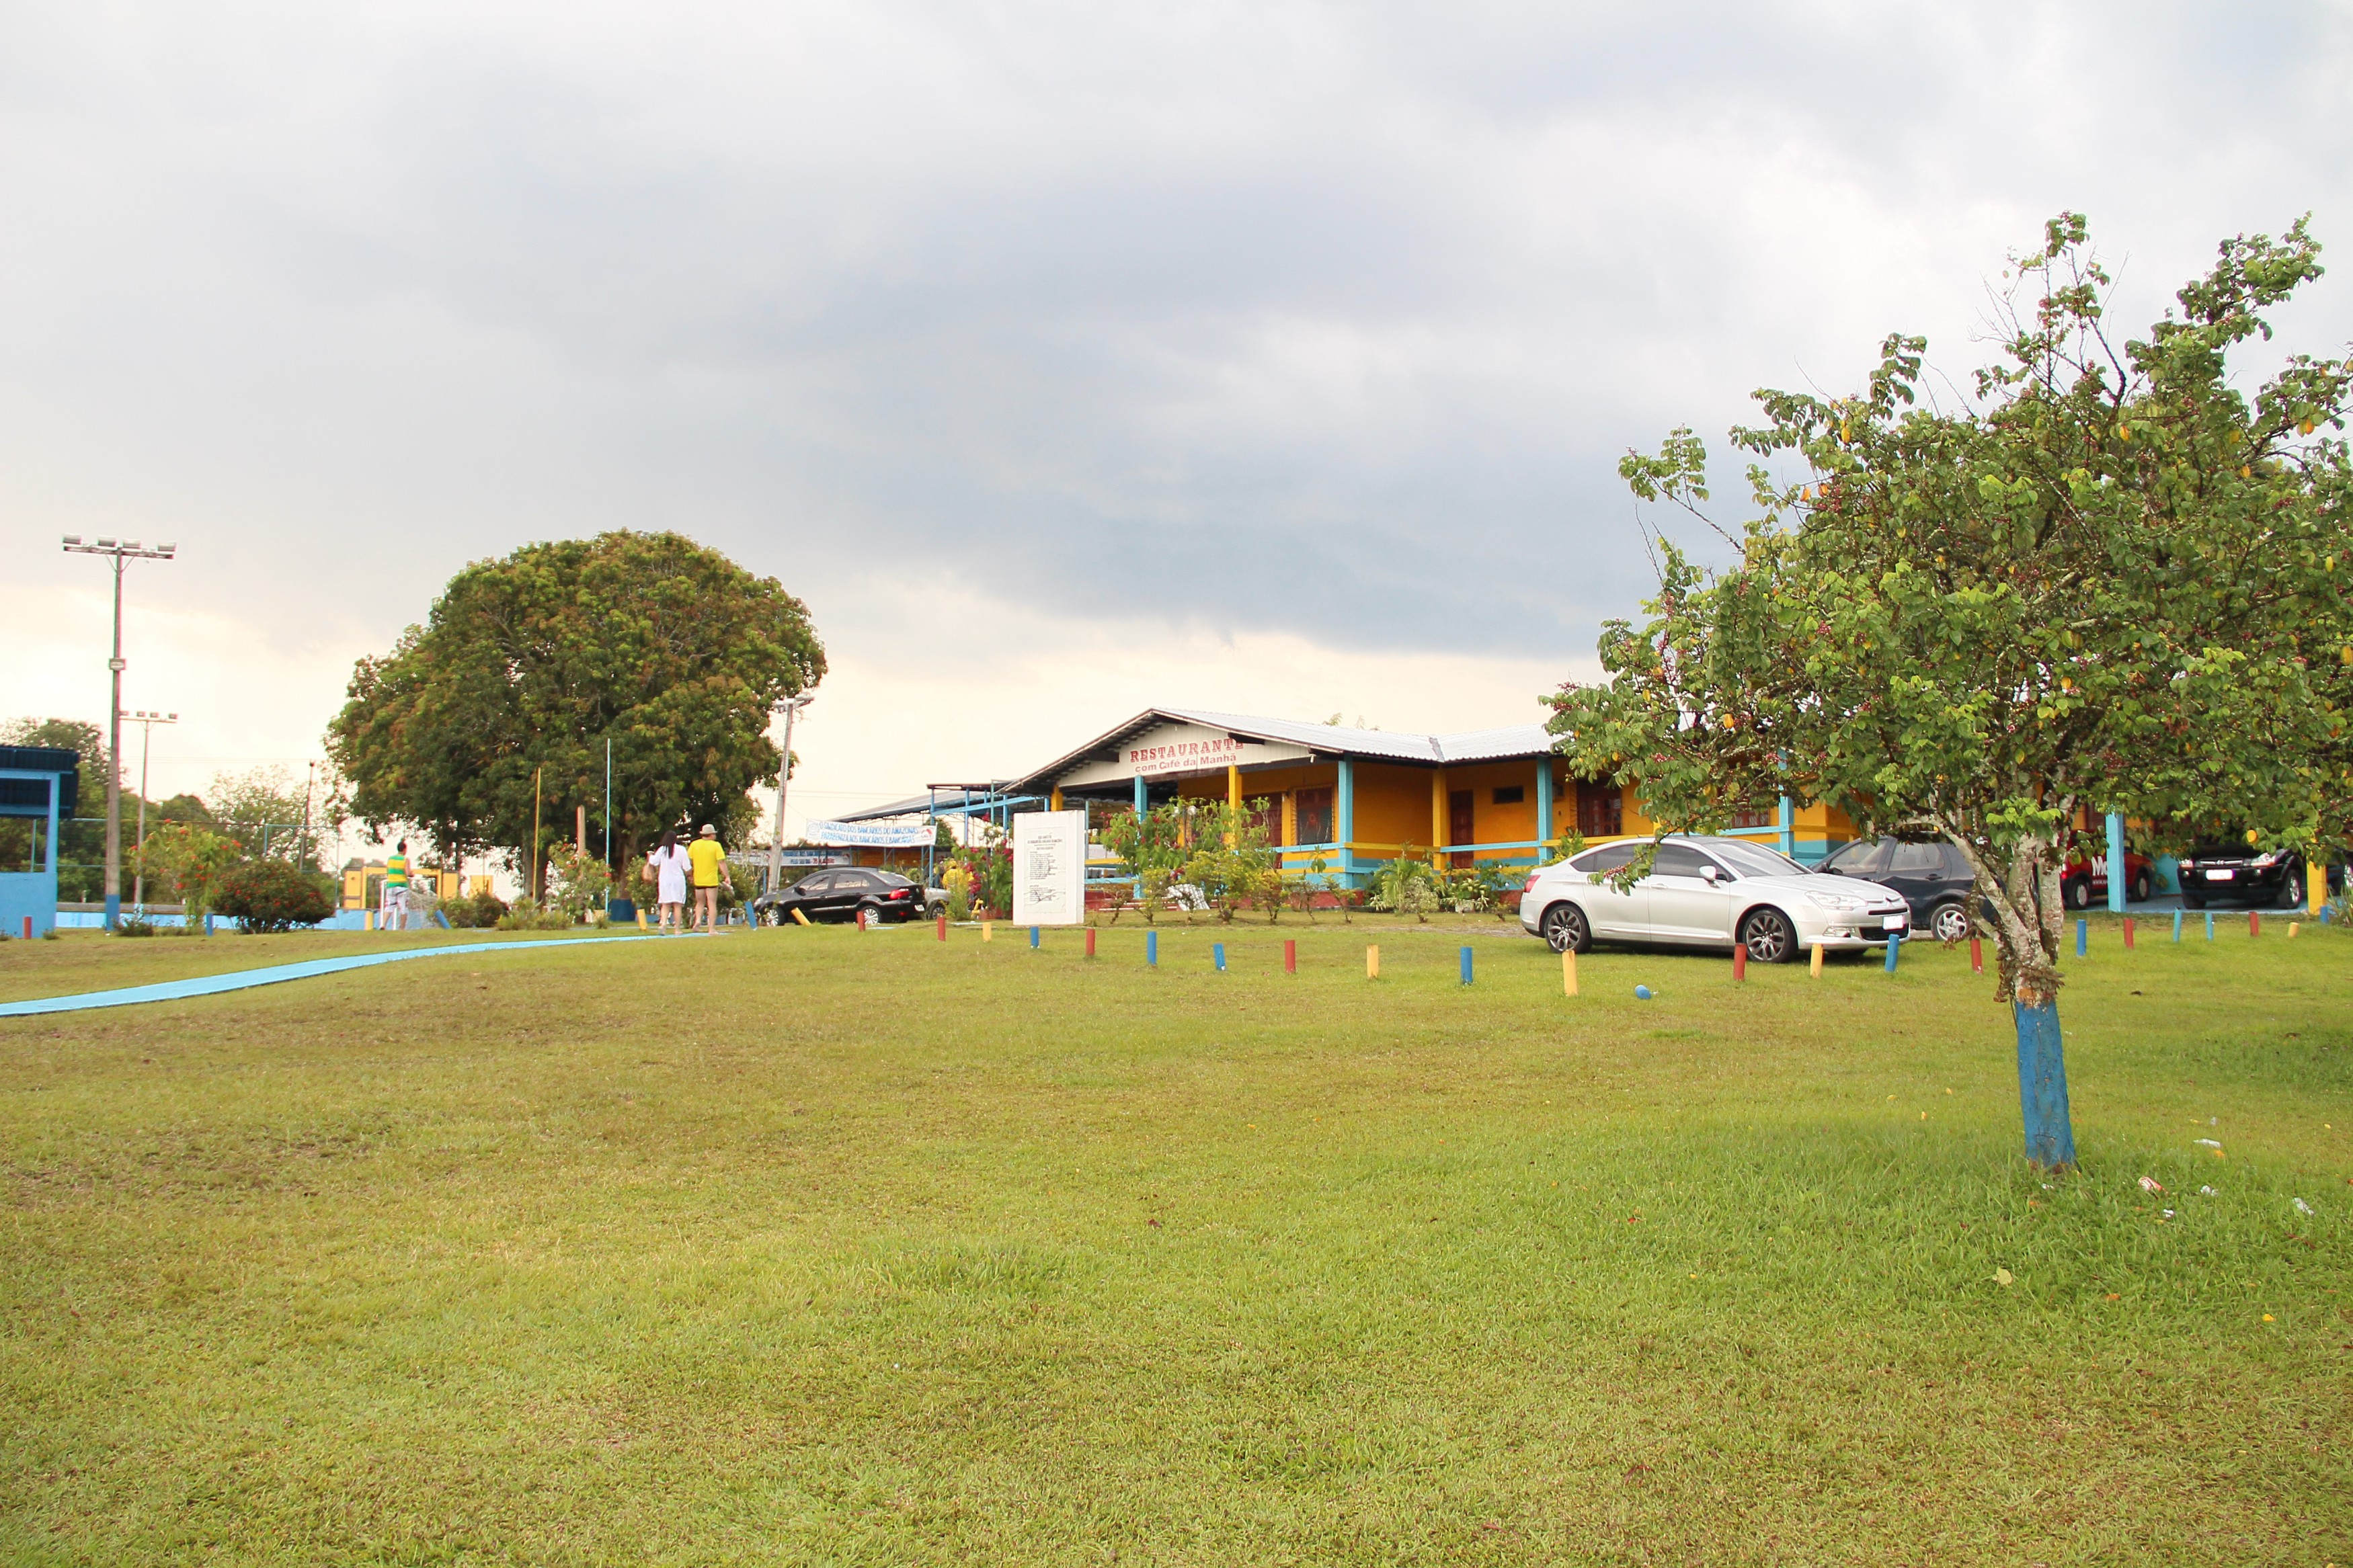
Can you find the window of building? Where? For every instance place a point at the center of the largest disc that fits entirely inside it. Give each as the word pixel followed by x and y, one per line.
pixel 1758 817
pixel 1600 810
pixel 1314 816
pixel 1510 794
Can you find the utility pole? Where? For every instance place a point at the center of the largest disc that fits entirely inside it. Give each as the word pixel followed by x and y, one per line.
pixel 147 721
pixel 784 777
pixel 120 550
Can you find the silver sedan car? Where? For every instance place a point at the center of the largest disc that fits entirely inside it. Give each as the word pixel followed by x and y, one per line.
pixel 1709 892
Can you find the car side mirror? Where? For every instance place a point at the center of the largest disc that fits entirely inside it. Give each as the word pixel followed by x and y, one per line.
pixel 1710 872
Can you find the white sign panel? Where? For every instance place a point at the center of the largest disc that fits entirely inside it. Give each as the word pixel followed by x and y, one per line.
pixel 873 834
pixel 1050 868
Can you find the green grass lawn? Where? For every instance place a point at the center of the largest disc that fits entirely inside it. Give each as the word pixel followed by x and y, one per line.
pixel 814 1246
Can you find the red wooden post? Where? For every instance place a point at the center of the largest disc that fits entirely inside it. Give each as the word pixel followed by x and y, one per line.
pixel 2128 931
pixel 28 928
pixel 1290 956
pixel 2254 922
pixel 1976 954
pixel 1740 961
pixel 1090 941
pixel 943 928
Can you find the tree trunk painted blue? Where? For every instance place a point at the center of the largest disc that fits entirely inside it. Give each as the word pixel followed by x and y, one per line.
pixel 1894 947
pixel 1152 948
pixel 2083 937
pixel 2042 1086
pixel 1217 950
pixel 1466 966
pixel 2117 891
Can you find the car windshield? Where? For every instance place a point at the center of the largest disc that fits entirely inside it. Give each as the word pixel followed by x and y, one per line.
pixel 1753 860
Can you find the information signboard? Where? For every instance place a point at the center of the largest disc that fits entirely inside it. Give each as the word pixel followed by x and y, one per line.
pixel 1050 868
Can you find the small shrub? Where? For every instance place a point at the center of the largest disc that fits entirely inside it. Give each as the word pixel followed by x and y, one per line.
pixel 131 925
pixel 270 895
pixel 479 912
pixel 525 914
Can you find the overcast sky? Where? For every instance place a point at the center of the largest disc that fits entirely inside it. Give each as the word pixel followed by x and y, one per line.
pixel 1066 359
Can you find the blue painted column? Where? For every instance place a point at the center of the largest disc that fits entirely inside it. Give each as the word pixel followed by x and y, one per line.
pixel 1345 810
pixel 1544 806
pixel 2042 1086
pixel 2117 891
pixel 1142 796
pixel 1789 828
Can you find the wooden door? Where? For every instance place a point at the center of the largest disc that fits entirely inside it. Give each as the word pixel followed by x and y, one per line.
pixel 1459 826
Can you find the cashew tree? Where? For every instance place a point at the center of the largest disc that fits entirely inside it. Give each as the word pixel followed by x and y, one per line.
pixel 2100 576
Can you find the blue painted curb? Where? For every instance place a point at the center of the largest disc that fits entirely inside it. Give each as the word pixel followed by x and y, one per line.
pixel 245 979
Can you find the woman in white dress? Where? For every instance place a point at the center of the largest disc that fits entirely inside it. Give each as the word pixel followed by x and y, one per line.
pixel 666 867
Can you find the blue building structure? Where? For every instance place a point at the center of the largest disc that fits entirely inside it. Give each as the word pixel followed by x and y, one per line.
pixel 38 788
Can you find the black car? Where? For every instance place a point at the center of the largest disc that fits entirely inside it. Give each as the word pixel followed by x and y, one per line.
pixel 839 894
pixel 1933 876
pixel 2261 879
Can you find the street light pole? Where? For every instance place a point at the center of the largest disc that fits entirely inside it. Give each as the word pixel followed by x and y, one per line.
pixel 784 778
pixel 147 722
pixel 120 550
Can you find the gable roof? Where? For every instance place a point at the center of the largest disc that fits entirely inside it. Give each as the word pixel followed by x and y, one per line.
pixel 1332 740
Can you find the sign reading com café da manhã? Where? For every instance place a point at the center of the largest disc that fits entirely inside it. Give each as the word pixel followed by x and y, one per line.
pixel 1170 754
pixel 1050 868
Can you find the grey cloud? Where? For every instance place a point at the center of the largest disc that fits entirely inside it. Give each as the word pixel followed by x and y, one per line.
pixel 1326 319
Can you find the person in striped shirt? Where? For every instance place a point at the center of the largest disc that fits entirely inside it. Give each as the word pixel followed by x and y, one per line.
pixel 395 889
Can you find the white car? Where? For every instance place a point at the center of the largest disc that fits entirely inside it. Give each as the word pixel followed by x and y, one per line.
pixel 1709 892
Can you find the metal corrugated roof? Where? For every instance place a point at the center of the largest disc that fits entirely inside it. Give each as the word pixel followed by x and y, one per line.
pixel 1336 739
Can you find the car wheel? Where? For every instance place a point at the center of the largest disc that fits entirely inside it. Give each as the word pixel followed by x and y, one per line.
pixel 2140 886
pixel 2292 891
pixel 1949 924
pixel 2076 892
pixel 1768 936
pixel 1565 929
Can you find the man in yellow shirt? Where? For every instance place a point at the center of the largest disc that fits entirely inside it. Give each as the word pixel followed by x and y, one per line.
pixel 708 860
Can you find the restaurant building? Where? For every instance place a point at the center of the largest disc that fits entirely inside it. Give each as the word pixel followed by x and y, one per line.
pixel 1359 798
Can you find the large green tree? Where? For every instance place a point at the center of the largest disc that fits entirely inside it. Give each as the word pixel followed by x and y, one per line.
pixel 529 665
pixel 2102 578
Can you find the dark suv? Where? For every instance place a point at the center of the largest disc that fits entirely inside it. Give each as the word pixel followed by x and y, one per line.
pixel 1933 876
pixel 2259 878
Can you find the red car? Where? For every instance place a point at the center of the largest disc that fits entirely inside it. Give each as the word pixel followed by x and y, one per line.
pixel 2083 882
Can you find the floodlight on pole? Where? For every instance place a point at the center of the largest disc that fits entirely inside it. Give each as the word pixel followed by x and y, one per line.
pixel 147 722
pixel 784 778
pixel 120 550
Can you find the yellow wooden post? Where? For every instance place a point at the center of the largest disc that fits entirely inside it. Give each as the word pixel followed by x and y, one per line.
pixel 2316 879
pixel 987 930
pixel 1817 961
pixel 1568 972
pixel 1437 813
pixel 1056 800
pixel 1233 796
pixel 1372 964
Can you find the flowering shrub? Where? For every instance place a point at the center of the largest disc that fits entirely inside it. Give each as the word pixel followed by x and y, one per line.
pixel 270 895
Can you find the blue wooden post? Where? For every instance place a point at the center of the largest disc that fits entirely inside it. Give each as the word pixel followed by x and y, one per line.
pixel 1033 938
pixel 2083 937
pixel 1218 951
pixel 2209 925
pixel 2177 926
pixel 1345 810
pixel 2042 1086
pixel 1142 796
pixel 1894 947
pixel 1152 948
pixel 1789 828
pixel 2117 891
pixel 1466 966
pixel 1544 806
